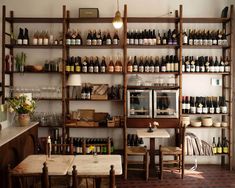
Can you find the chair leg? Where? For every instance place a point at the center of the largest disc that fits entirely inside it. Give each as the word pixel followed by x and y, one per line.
pixel 161 165
pixel 146 167
pixel 125 168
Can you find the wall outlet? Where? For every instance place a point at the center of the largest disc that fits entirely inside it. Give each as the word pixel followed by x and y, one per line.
pixel 216 81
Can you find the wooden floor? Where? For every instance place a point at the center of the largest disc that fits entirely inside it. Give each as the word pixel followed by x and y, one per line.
pixel 203 177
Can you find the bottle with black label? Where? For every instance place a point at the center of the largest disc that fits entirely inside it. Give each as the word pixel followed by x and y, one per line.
pixel 216 65
pixel 187 105
pixel 103 65
pixel 20 37
pixel 104 39
pixel 219 147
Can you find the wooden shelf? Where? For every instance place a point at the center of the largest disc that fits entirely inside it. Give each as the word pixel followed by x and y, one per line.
pixel 27 72
pixel 48 126
pixel 99 73
pixel 205 114
pixel 207 73
pixel 90 20
pixel 152 73
pixel 152 20
pixel 34 46
pixel 206 127
pixel 204 47
pixel 84 100
pixel 153 87
pixel 48 99
pixel 205 20
pixel 91 127
pixel 34 20
pixel 112 46
pixel 153 46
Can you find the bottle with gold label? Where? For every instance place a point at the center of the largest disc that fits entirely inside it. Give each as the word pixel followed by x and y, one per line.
pixel 219 147
pixel 225 145
pixel 214 146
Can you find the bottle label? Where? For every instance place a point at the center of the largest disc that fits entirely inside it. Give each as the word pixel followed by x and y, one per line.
pixel 88 95
pixel 99 42
pixel 67 68
pixel 225 42
pixel 157 69
pixel 204 42
pixel 209 42
pixel 214 150
pixel 219 149
pixel 71 68
pixel 35 41
pixel 25 41
pixel 163 68
pixel 90 69
pixel 217 110
pixel 102 69
pixel 83 95
pixel 185 40
pixel 168 67
pixel 192 67
pixel 221 68
pixel 202 69
pixel 108 42
pixel 197 69
pixel 129 68
pixel 96 69
pixel 176 67
pixel 183 106
pixel 45 41
pixel 141 68
pixel 135 68
pixel 141 41
pixel 190 42
pixel 127 41
pixel 117 69
pixel 220 42
pixel 227 68
pixel 151 69
pixel 187 68
pixel 88 42
pixel 214 42
pixel 19 41
pixel 216 69
pixel 84 68
pixel 225 149
pixel 94 42
pixel 195 42
pixel 224 109
pixel 115 41
pixel 146 69
pixel 131 41
pixel 193 110
pixel 111 68
pixel 212 110
pixel 78 69
pixel 164 41
pixel 78 42
pixel 204 110
pixel 136 41
pixel 199 110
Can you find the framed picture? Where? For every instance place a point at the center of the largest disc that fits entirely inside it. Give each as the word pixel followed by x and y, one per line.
pixel 88 12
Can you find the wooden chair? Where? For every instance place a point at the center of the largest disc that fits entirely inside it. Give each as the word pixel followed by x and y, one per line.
pixel 42 177
pixel 75 177
pixel 176 151
pixel 141 152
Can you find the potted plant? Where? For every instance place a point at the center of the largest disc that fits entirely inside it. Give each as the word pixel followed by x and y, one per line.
pixel 23 106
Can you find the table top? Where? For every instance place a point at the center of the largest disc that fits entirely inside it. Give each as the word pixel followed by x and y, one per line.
pixel 57 164
pixel 157 133
pixel 11 132
pixel 99 165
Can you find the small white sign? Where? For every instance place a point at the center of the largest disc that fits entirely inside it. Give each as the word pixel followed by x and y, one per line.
pixel 216 81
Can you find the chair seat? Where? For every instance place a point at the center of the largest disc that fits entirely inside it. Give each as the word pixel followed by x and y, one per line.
pixel 136 150
pixel 170 150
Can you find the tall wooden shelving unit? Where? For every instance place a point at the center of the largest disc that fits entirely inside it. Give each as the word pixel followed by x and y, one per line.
pixel 178 20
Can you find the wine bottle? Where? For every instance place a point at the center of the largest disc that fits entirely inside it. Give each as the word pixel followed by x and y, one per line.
pixel 185 37
pixel 68 37
pixel 26 37
pixel 217 107
pixel 136 39
pixel 104 39
pixel 183 105
pixel 183 64
pixel 225 145
pixel 20 37
pixel 199 105
pixel 131 40
pixel 118 65
pixel 151 64
pixel 204 107
pixel 35 38
pixel 78 39
pixel 97 65
pixel 141 41
pixel 141 65
pixel 187 105
pixel 46 38
pixel 94 39
pixel 164 39
pixel 116 38
pixel 199 38
pixel 207 64
pixel 89 38
pixel 91 65
pixel 197 65
pixel 85 65
pixel 78 64
pixel 67 67
pixel 135 65
pixel 212 64
pixel 176 64
pixel 108 39
pixel 157 65
pixel 154 39
pixel 214 147
pixel 168 65
pixel 190 37
pixel 214 38
pixel 111 66
pixel 129 65
pixel 72 64
pixel 219 147
pixel 163 65
pixel 224 38
pixel 216 65
pixel 159 39
pixel 192 105
pixel 227 65
pixel 103 65
pixel 83 92
pixel 223 105
pixel 211 106
pixel 209 38
pixel 172 65
pixel 174 37
pixel 219 36
pixel 128 37
pixel 170 41
pixel 204 38
pixel 187 64
pixel 221 65
pixel 146 64
pixel 192 65
pixel 40 38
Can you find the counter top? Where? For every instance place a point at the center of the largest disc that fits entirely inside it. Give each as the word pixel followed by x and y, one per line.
pixel 11 132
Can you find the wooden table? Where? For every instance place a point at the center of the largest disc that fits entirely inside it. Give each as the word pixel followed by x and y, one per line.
pixel 157 133
pixel 96 166
pixel 33 164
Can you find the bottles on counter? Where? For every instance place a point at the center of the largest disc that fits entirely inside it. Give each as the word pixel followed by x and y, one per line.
pixel 93 65
pixel 204 105
pixel 150 37
pixel 152 64
pixel 205 38
pixel 205 64
pixel 134 140
pixel 23 37
pixel 100 145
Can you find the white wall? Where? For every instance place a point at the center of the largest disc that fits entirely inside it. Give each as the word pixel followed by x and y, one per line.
pixel 53 8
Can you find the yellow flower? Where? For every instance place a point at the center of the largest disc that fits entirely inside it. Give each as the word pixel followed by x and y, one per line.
pixel 91 148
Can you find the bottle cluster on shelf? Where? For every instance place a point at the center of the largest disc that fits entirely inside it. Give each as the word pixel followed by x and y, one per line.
pixel 169 63
pixel 149 37
pixel 38 38
pixel 100 145
pixel 205 38
pixel 205 64
pixel 134 140
pixel 204 105
pixel 112 93
pixel 220 147
pixel 93 64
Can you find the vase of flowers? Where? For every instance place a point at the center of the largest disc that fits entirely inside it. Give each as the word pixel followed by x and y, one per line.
pixel 23 106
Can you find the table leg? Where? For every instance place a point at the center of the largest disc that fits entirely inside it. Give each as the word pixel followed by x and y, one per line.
pixel 152 169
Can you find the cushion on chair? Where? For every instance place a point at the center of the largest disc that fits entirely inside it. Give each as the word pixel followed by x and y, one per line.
pixel 136 150
pixel 171 150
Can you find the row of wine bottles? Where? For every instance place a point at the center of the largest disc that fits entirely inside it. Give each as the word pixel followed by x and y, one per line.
pixel 93 38
pixel 206 38
pixel 205 64
pixel 114 92
pixel 204 105
pixel 220 147
pixel 100 145
pixel 149 37
pixel 93 65
pixel 168 63
pixel 134 140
